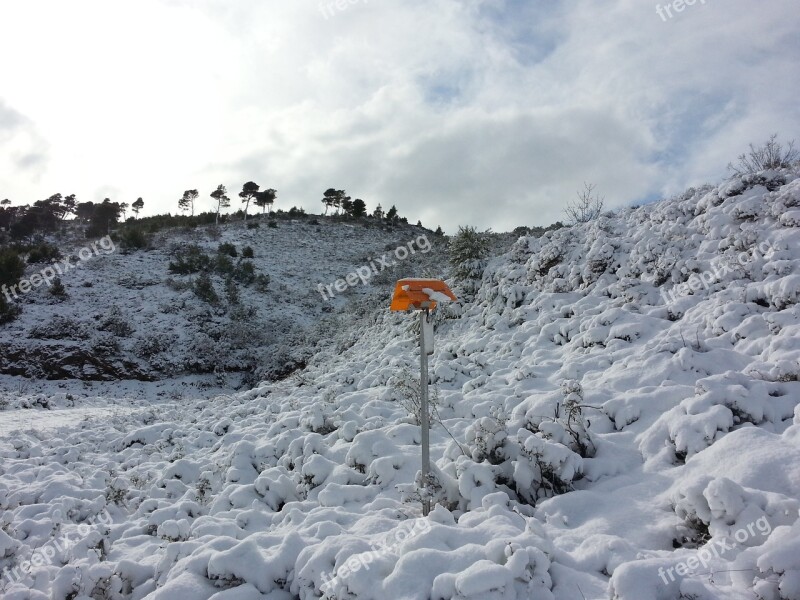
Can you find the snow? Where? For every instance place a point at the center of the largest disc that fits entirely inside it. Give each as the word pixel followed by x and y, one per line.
pixel 594 437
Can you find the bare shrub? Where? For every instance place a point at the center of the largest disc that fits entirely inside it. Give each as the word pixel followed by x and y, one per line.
pixel 587 207
pixel 770 155
pixel 406 386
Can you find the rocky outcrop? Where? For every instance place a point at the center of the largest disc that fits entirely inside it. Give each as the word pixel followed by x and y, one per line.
pixel 60 360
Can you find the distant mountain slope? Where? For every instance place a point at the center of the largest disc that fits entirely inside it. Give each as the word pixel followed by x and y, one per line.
pixel 128 317
pixel 610 432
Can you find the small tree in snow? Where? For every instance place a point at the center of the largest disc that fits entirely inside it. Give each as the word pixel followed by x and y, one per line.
pixel 587 207
pixel 468 251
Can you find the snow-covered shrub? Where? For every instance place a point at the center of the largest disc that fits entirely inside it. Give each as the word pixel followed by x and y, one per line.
pixel 599 258
pixel 228 249
pixel 776 565
pixel 543 468
pixel 568 426
pixel 133 238
pixel 541 459
pixel 550 254
pixel 719 507
pixel 189 259
pixel 60 328
pixel 152 344
pixel 485 438
pixel 721 404
pixel 8 312
pixel 43 253
pixel 437 487
pixel 116 322
pixel 58 291
pixel 204 289
pixel 117 491
pixel 276 488
pixel 313 418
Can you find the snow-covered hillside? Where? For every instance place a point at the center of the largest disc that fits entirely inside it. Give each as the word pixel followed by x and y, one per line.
pixel 617 417
pixel 127 316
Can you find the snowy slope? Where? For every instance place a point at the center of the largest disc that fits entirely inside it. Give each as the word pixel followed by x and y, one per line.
pixel 128 317
pixel 603 431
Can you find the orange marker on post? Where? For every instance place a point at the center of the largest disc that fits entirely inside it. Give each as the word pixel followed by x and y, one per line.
pixel 422 295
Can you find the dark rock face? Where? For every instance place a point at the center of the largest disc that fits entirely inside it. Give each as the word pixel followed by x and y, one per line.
pixel 55 361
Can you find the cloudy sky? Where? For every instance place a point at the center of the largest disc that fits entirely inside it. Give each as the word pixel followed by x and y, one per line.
pixel 483 112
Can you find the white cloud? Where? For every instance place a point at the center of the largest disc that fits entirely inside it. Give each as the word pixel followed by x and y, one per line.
pixel 488 113
pixel 22 150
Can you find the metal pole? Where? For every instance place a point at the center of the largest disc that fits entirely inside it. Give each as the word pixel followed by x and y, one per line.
pixel 424 421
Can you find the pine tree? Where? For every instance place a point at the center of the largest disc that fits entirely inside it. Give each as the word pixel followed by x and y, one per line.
pixel 220 195
pixel 468 252
pixel 359 209
pixel 137 206
pixel 266 199
pixel 249 191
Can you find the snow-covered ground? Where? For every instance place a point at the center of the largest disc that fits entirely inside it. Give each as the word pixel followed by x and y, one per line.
pixel 601 431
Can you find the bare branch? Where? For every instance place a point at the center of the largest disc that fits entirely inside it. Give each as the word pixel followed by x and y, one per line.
pixel 587 207
pixel 770 155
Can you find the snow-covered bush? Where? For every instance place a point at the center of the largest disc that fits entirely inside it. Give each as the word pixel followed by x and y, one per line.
pixel 437 488
pixel 115 322
pixel 204 289
pixel 568 425
pixel 61 328
pixel 485 438
pixel 542 468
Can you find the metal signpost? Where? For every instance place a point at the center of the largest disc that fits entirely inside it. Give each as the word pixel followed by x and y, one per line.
pixel 422 295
